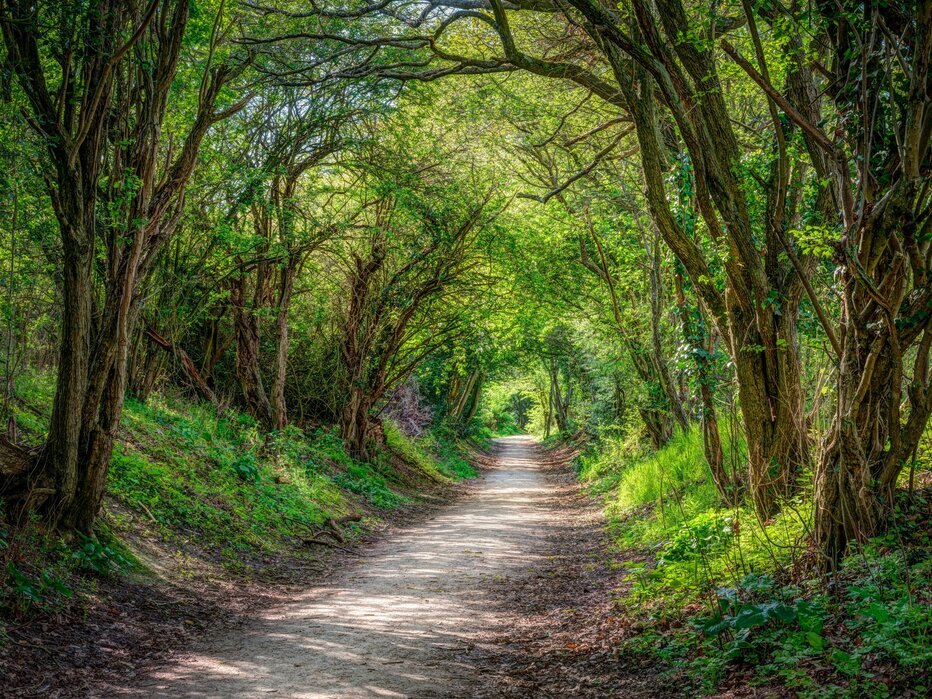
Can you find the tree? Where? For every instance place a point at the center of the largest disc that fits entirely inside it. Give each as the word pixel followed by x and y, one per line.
pixel 648 72
pixel 416 246
pixel 883 126
pixel 293 133
pixel 97 94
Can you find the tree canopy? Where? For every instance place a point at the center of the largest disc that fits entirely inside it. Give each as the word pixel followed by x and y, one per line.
pixel 586 216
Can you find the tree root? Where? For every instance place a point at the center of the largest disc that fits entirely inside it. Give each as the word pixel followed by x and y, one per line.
pixel 330 530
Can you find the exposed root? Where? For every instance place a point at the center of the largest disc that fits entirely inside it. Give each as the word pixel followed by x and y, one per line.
pixel 331 530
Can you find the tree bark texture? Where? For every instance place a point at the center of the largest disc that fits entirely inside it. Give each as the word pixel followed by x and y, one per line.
pixel 81 140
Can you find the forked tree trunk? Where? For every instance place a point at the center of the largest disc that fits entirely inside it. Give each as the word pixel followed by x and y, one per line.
pixel 659 427
pixel 381 307
pixel 354 416
pixel 121 110
pixel 884 273
pixel 462 398
pixel 473 405
pixel 652 367
pixel 104 397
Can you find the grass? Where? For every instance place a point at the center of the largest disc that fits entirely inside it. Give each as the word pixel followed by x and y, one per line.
pixel 715 590
pixel 186 475
pixel 218 477
pixel 438 454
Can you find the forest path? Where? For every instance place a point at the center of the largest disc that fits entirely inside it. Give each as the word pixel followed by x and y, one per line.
pixel 410 618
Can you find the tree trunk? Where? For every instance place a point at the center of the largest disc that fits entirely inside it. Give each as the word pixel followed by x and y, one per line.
pixel 559 407
pixel 354 424
pixel 146 368
pixel 619 400
pixel 354 417
pixel 662 368
pixel 659 427
pixel 655 412
pixel 215 346
pixel 870 441
pixel 701 345
pixel 60 454
pixel 772 407
pixel 286 289
pixel 712 447
pixel 246 329
pixel 453 393
pixel 105 394
pixel 884 273
pixel 652 368
pixel 474 401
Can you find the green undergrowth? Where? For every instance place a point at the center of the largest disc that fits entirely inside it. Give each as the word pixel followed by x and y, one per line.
pixel 716 593
pixel 437 452
pixel 212 483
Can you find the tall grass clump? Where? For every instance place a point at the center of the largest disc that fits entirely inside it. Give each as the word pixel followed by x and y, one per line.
pixel 674 479
pixel 665 500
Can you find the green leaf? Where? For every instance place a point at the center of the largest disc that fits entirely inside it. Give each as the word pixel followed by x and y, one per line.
pixel 815 640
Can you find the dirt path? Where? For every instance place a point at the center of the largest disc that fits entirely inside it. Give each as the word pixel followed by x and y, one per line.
pixel 420 615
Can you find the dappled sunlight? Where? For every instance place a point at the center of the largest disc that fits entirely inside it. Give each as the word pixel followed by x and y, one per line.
pixel 403 620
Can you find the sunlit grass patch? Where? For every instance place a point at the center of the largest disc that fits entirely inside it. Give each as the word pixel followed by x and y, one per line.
pixel 213 478
pixel 713 587
pixel 438 456
pixel 187 467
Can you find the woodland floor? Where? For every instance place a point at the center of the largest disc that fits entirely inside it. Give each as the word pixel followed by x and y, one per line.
pixel 505 592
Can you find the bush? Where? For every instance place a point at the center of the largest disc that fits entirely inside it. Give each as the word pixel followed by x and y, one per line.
pixel 869 637
pixel 703 535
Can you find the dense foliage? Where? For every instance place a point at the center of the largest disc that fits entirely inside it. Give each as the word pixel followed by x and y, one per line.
pixel 291 238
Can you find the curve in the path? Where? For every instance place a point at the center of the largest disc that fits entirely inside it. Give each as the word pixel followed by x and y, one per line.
pixel 402 621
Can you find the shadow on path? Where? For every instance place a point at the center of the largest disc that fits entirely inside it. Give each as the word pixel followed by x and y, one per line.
pixel 406 620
